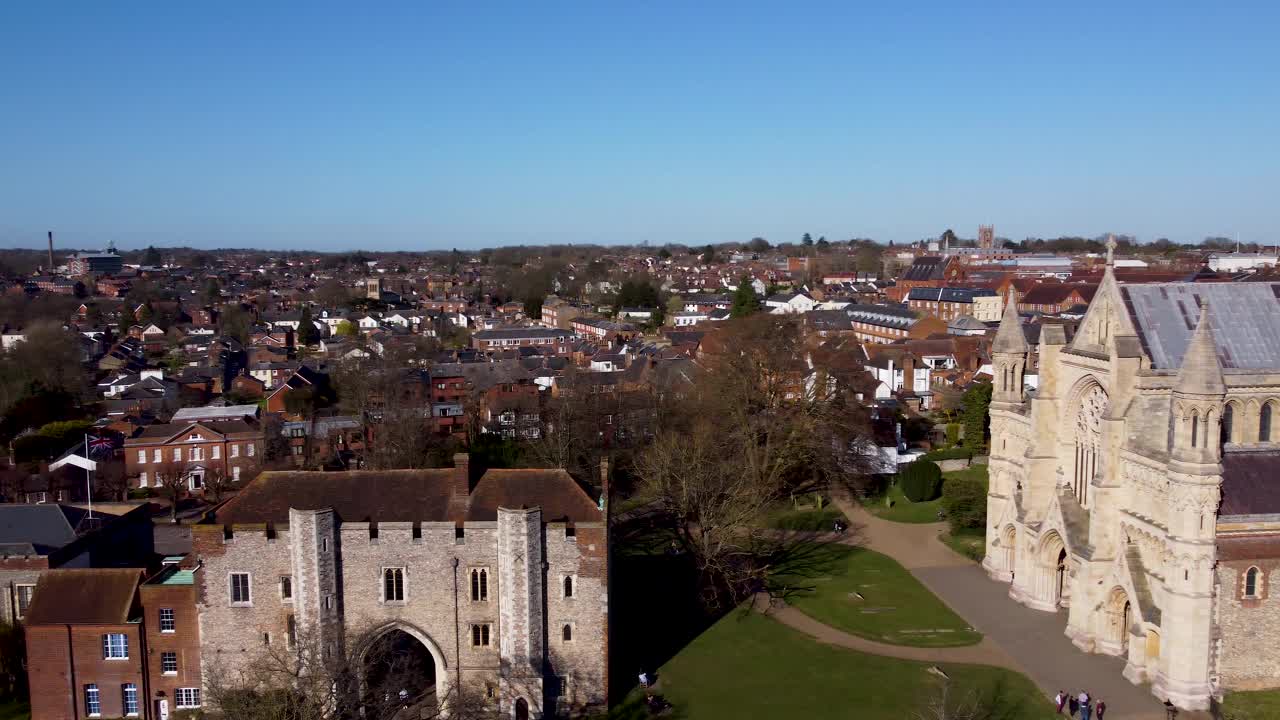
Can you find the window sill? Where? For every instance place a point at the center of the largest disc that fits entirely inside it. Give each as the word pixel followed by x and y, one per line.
pixel 173 673
pixel 116 659
pixel 241 605
pixel 168 632
pixel 394 603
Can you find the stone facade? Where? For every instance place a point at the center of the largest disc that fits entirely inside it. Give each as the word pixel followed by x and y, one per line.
pixel 336 565
pixel 1128 490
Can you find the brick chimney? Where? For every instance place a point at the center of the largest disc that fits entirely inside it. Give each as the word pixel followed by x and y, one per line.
pixel 908 372
pixel 461 475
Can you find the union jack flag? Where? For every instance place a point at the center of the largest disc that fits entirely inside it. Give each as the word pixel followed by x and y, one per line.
pixel 100 445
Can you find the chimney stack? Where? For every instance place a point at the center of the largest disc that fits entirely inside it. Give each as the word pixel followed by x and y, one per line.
pixel 908 373
pixel 51 265
pixel 461 475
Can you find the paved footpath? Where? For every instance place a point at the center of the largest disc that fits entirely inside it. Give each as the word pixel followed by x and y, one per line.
pixel 1014 636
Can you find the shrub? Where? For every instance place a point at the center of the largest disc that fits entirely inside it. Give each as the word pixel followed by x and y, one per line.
pixel 953 434
pixel 965 500
pixel 955 453
pixel 920 481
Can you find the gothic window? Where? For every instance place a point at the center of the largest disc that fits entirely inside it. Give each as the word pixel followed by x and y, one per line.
pixel 1088 440
pixel 480 634
pixel 568 586
pixel 393 584
pixel 1252 587
pixel 1228 418
pixel 479 584
pixel 1264 424
pixel 566 633
pixel 1195 429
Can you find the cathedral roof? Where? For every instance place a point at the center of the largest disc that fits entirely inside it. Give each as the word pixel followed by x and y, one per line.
pixel 1245 321
pixel 1249 484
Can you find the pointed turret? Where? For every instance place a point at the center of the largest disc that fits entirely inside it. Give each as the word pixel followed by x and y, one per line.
pixel 1201 373
pixel 1010 338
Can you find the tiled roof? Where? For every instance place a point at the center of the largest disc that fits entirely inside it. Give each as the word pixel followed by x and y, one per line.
pixel 1244 317
pixel 83 596
pixel 1249 484
pixel 553 490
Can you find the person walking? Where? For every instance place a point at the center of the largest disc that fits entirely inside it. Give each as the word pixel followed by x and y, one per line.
pixel 1085 709
pixel 1059 700
pixel 644 679
pixel 1099 709
pixel 1072 706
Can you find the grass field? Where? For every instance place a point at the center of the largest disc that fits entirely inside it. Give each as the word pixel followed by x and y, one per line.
pixel 973 472
pixel 748 666
pixel 903 510
pixel 1258 705
pixel 826 581
pixel 969 544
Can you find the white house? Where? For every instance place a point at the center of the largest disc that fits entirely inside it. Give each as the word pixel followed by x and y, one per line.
pixel 790 304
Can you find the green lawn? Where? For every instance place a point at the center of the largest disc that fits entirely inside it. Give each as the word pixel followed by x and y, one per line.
pixel 902 509
pixel 15 711
pixel 825 581
pixel 969 544
pixel 1258 705
pixel 973 472
pixel 749 666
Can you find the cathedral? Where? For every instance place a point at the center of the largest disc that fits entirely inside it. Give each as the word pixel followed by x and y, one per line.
pixel 1137 488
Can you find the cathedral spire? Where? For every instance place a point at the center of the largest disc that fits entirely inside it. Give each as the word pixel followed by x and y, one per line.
pixel 1201 373
pixel 1010 338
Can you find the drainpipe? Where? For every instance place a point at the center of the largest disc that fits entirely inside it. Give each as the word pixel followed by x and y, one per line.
pixel 457 631
pixel 71 670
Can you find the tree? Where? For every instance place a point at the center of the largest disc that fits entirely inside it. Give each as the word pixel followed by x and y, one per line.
pixel 332 294
pixel 665 254
pixel 965 500
pixel 976 404
pixel 151 256
pixel 745 301
pixel 394 407
pixel 755 428
pixel 171 477
pixel 212 291
pixel 708 255
pixel 533 307
pixel 307 332
pixel 216 483
pixel 758 245
pixel 807 240
pixel 309 676
pixel 346 328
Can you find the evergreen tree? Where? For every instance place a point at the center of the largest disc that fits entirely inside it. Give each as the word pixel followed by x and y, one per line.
pixel 151 256
pixel 306 328
pixel 807 240
pixel 745 301
pixel 976 403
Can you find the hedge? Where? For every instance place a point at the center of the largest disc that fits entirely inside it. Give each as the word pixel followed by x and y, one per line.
pixel 921 481
pixel 965 501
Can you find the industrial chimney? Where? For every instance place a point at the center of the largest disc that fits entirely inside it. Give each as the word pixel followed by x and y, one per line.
pixel 51 251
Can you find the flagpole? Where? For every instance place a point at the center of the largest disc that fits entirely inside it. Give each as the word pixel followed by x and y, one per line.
pixel 88 484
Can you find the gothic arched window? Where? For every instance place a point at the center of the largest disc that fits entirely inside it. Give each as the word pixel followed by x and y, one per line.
pixel 1195 429
pixel 1251 582
pixel 1264 424
pixel 1228 417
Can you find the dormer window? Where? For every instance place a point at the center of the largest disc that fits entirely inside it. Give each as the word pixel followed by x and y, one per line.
pixel 193 437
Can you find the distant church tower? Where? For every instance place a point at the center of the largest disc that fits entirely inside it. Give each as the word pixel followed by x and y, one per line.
pixel 986 237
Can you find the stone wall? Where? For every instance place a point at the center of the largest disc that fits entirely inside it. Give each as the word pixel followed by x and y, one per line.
pixel 1249 659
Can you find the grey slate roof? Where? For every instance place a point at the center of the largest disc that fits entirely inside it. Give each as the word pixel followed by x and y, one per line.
pixel 1244 317
pixel 44 527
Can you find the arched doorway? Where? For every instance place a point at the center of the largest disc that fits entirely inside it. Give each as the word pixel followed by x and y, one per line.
pixel 522 709
pixel 1052 571
pixel 1009 540
pixel 1060 577
pixel 1119 617
pixel 399 678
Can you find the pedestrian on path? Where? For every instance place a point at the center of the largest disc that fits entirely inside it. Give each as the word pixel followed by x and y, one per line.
pixel 644 679
pixel 1072 706
pixel 1085 709
pixel 1059 700
pixel 1099 709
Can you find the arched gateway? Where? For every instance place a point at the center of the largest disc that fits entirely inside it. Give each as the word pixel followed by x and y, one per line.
pixel 402 666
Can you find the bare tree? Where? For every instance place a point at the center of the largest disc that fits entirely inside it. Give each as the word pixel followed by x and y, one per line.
pixel 393 406
pixel 171 478
pixel 110 480
pixel 760 424
pixel 365 678
pixel 216 483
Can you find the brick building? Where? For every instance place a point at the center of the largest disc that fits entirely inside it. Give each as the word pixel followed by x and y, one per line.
pixel 501 583
pixel 946 303
pixel 551 339
pixel 230 447
pixel 890 323
pixel 103 643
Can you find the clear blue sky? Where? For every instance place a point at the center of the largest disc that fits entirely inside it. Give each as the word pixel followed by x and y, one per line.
pixel 431 124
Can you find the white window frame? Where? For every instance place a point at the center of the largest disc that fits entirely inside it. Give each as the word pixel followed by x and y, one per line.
pixel 142 479
pixel 142 457
pixel 157 455
pixel 248 449
pixel 184 698
pixel 172 654
pixel 177 454
pixel 109 647
pixel 171 621
pixel 197 454
pixel 248 588
pixel 92 700
pixel 215 453
pixel 129 696
pixel 235 450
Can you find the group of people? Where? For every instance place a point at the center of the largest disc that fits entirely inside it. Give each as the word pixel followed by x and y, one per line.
pixel 1082 703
